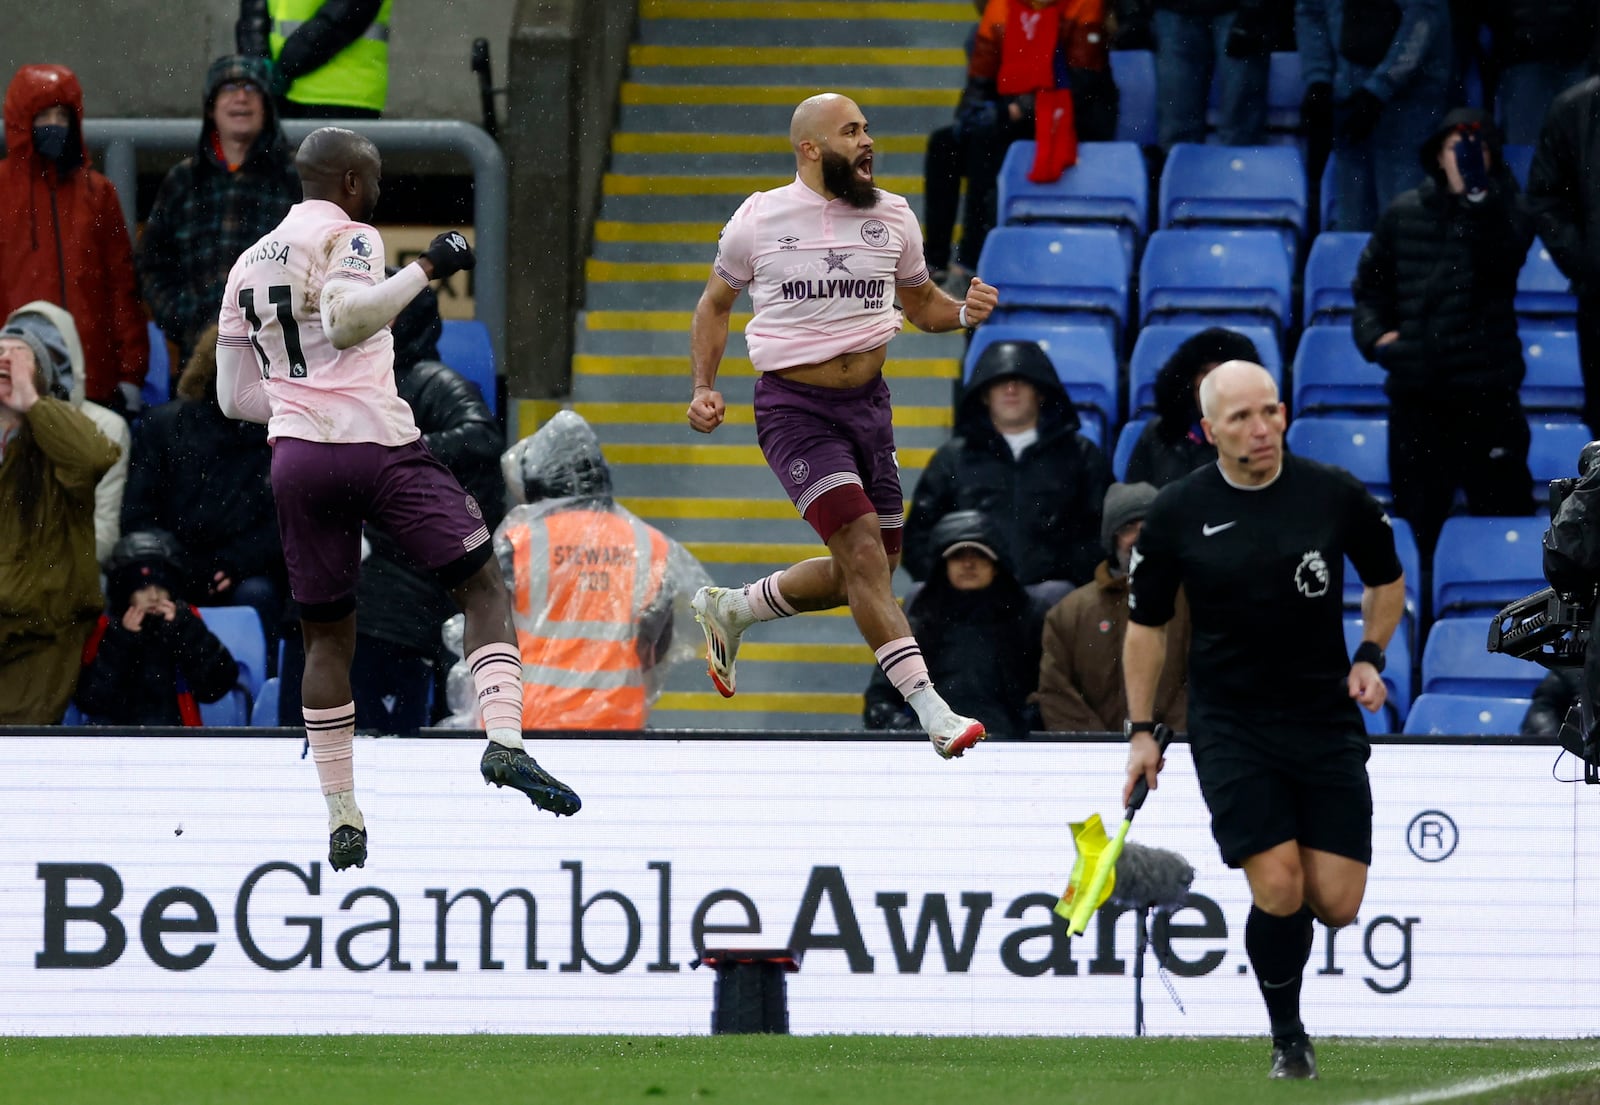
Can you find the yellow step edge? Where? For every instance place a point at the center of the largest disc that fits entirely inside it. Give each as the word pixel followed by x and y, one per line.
pixel 722 455
pixel 737 95
pixel 621 272
pixel 610 230
pixel 698 184
pixel 776 702
pixel 752 552
pixel 669 320
pixel 678 142
pixel 951 57
pixel 805 653
pixel 642 364
pixel 826 10
pixel 737 510
pixel 667 413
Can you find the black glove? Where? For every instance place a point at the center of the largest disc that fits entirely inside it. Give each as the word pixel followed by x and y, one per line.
pixel 1361 113
pixel 1316 110
pixel 449 254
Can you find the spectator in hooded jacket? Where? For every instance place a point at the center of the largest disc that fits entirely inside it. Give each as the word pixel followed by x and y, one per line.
pixel 1434 296
pixel 1377 79
pixel 1018 457
pixel 57 335
pixel 1542 48
pixel 1080 670
pixel 63 237
pixel 1564 192
pixel 51 457
pixel 205 478
pixel 1172 444
pixel 979 629
pixel 213 205
pixel 150 659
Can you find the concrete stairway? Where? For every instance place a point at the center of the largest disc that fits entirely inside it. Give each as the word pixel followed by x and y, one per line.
pixel 704 122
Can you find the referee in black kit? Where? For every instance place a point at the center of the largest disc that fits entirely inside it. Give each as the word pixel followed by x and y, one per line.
pixel 1258 542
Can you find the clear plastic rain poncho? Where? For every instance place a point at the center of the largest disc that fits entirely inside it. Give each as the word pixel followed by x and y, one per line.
pixel 601 599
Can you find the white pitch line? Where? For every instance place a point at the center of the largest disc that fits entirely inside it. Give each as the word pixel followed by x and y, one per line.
pixel 1483 1085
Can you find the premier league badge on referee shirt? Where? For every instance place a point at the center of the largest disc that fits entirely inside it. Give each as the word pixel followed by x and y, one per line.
pixel 1312 576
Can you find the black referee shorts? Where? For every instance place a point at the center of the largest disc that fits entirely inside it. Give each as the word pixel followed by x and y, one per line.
pixel 1266 782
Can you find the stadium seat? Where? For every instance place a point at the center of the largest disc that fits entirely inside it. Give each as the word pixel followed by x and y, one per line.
pixel 1330 269
pixel 1134 72
pixel 232 709
pixel 464 345
pixel 1328 194
pixel 1360 445
pixel 1519 159
pixel 1330 374
pixel 1405 547
pixel 1221 275
pixel 1553 386
pixel 239 628
pixel 264 714
pixel 1285 92
pixel 158 382
pixel 1108 187
pixel 1058 274
pixel 1480 564
pixel 1544 298
pixel 1235 186
pixel 1396 677
pixel 1457 660
pixel 1127 438
pixel 1465 715
pixel 1553 453
pixel 1084 360
pixel 1157 342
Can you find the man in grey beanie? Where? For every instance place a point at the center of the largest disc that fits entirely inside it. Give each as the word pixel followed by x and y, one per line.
pixel 1080 672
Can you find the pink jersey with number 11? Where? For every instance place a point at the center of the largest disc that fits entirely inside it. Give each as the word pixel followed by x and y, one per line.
pixel 273 307
pixel 822 274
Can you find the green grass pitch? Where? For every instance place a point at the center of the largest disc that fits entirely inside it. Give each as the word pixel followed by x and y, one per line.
pixel 779 1070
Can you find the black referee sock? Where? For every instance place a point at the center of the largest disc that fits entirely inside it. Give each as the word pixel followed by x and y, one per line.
pixel 1279 948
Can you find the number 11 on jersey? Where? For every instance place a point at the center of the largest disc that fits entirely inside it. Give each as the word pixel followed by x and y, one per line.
pixel 288 329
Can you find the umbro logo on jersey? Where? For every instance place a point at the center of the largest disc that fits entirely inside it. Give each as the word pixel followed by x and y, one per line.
pixel 788 241
pixel 1212 531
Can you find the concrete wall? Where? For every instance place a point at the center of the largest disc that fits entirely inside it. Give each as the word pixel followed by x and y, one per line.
pixel 148 57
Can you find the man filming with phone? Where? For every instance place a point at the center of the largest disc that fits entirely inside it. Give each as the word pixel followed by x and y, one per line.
pixel 1434 309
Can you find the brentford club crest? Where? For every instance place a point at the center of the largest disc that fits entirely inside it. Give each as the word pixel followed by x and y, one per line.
pixel 799 470
pixel 874 233
pixel 474 509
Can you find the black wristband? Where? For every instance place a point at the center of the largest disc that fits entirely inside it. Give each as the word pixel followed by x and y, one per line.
pixel 1369 652
pixel 1130 727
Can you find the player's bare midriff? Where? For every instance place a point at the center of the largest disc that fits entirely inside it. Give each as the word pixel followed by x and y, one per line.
pixel 847 370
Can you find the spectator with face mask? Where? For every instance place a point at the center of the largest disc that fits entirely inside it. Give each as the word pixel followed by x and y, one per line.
pixel 63 236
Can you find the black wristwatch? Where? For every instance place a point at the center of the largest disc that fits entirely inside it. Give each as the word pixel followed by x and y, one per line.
pixel 1130 727
pixel 1369 652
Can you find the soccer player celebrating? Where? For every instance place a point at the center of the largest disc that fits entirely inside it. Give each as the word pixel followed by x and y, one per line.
pixel 304 346
pixel 824 258
pixel 1258 542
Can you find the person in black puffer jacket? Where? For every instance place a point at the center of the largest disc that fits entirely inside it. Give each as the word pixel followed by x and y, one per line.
pixel 1434 307
pixel 1017 456
pixel 150 660
pixel 1172 444
pixel 980 632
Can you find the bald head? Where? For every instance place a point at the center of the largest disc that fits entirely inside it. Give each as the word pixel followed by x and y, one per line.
pixel 819 116
pixel 342 167
pixel 1233 382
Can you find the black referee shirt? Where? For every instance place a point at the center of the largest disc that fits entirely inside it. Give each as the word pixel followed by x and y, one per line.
pixel 1263 569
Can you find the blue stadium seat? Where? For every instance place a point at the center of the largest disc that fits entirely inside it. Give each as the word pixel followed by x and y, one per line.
pixel 1396 677
pixel 1239 275
pixel 1235 186
pixel 1328 193
pixel 1457 660
pixel 264 714
pixel 232 709
pixel 1058 274
pixel 1553 453
pixel 1134 72
pixel 1405 548
pixel 1480 564
pixel 1544 298
pixel 1285 92
pixel 1127 438
pixel 1330 268
pixel 1158 341
pixel 1360 445
pixel 1084 360
pixel 464 345
pixel 1519 159
pixel 158 382
pixel 1553 386
pixel 239 628
pixel 1465 715
pixel 1108 186
pixel 1330 374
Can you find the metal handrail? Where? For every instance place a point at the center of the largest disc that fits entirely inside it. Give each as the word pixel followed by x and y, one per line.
pixel 122 139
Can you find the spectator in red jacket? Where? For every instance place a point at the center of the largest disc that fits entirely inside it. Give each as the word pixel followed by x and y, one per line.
pixel 63 236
